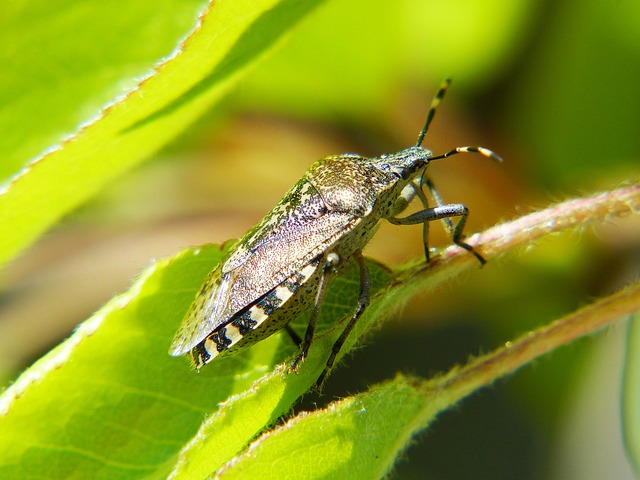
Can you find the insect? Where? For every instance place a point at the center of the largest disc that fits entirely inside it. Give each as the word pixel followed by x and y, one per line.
pixel 282 265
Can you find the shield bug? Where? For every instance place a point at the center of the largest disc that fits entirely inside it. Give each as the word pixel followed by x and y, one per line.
pixel 282 265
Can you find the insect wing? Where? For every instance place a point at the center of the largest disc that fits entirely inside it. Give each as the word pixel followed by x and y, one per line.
pixel 299 208
pixel 286 241
pixel 277 259
pixel 207 307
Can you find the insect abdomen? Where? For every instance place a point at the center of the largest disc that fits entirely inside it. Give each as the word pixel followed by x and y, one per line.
pixel 268 314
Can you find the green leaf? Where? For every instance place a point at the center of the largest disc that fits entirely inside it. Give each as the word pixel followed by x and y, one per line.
pixel 228 39
pixel 273 395
pixel 362 436
pixel 241 418
pixel 357 437
pixel 111 403
pixel 64 59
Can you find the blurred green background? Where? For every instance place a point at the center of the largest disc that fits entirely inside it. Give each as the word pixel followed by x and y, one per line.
pixel 553 87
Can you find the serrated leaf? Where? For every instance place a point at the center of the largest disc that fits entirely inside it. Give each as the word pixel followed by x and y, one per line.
pixel 111 403
pixel 274 394
pixel 357 437
pixel 362 436
pixel 228 39
pixel 64 59
pixel 240 418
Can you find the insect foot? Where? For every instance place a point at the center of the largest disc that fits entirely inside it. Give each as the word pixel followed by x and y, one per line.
pixel 283 265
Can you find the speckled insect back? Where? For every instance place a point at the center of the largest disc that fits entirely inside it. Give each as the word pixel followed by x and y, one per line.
pixel 282 266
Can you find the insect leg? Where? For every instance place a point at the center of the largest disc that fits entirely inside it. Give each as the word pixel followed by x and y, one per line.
pixel 295 338
pixel 332 260
pixel 443 212
pixel 454 231
pixel 411 191
pixel 408 193
pixel 437 198
pixel 440 212
pixel 363 303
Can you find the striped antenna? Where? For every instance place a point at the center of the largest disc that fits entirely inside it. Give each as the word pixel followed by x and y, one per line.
pixel 432 109
pixel 481 150
pixel 432 112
